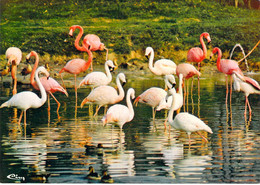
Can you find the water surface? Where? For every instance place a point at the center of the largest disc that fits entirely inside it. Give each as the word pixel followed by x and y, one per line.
pixel 144 153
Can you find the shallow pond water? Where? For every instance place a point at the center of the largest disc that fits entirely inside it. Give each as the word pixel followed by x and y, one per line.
pixel 144 153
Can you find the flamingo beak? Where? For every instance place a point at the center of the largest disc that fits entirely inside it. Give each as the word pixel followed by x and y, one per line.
pixel 111 69
pixel 83 102
pixel 147 56
pixel 123 84
pixel 71 33
pixel 48 77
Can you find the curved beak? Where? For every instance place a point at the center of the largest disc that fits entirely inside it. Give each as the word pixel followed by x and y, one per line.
pixel 83 102
pixel 71 33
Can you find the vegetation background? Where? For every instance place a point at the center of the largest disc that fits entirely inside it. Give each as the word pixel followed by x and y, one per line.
pixel 171 27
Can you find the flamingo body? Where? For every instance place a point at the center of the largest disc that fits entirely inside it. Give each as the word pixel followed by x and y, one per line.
pixel 14 55
pixel 151 96
pixel 247 85
pixel 98 78
pixel 75 66
pixel 120 114
pixel 161 67
pixel 105 95
pixel 189 123
pixel 187 70
pixel 196 54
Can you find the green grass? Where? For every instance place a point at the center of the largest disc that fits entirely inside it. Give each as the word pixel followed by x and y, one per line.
pixel 125 26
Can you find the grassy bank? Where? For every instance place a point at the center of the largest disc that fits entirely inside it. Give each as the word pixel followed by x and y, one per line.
pixel 127 27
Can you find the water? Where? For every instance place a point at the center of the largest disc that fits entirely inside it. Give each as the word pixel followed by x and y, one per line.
pixel 54 144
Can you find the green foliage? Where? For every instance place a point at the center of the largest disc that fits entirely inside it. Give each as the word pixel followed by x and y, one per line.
pixel 124 26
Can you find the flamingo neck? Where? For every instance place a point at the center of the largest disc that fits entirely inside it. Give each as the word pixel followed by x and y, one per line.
pixel 204 48
pixel 129 104
pixel 171 111
pixel 108 73
pixel 90 57
pixel 180 86
pixel 34 69
pixel 151 58
pixel 120 89
pixel 78 47
pixel 42 90
pixel 219 58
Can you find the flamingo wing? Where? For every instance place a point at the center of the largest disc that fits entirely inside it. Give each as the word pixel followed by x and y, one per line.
pixel 252 82
pixel 166 66
pixel 195 55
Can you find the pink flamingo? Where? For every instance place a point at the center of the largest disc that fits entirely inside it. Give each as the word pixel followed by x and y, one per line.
pixel 196 54
pixel 247 85
pixel 76 66
pixel 188 71
pixel 120 114
pixel 154 95
pixel 14 56
pixel 105 95
pixel 92 41
pixel 50 85
pixel 227 67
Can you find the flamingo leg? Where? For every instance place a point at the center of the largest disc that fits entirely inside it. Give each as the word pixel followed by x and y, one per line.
pixel 187 84
pixel 226 88
pixel 76 94
pixel 105 110
pixel 24 117
pixel 189 139
pixel 62 82
pixel 97 109
pixel 246 105
pixel 205 139
pixel 13 73
pixel 184 98
pixel 49 106
pixel 249 107
pixel 58 103
pixel 154 112
pixel 230 89
pixel 20 118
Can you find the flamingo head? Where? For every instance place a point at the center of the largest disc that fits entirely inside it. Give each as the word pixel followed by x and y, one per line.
pixel 148 50
pixel 72 29
pixel 43 70
pixel 206 35
pixel 83 102
pixel 122 78
pixel 215 50
pixel 111 65
pixel 102 47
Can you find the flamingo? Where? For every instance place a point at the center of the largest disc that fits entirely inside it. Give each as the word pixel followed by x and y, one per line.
pixel 161 67
pixel 76 66
pixel 247 85
pixel 98 78
pixel 196 54
pixel 92 41
pixel 27 99
pixel 188 71
pixel 50 85
pixel 166 102
pixel 14 56
pixel 227 67
pixel 152 96
pixel 120 114
pixel 105 95
pixel 186 121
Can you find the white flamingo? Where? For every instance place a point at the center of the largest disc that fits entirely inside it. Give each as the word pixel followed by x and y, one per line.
pixel 27 99
pixel 166 102
pixel 14 57
pixel 98 78
pixel 105 95
pixel 161 67
pixel 120 114
pixel 186 121
pixel 247 85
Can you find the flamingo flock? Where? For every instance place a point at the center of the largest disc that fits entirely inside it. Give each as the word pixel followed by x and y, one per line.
pixel 102 94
